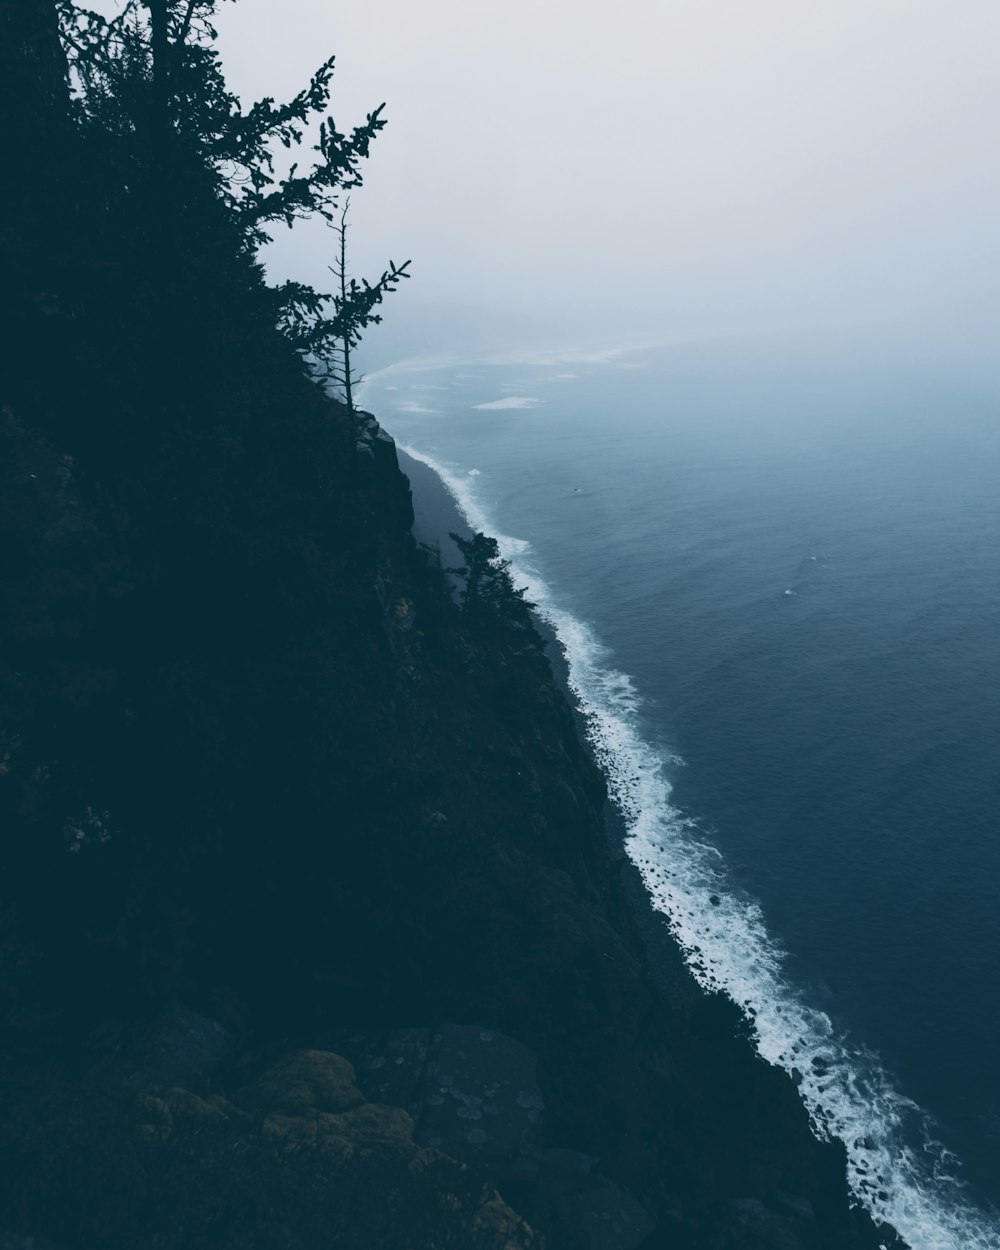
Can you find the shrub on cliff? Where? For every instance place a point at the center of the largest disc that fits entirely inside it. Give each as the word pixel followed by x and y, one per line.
pixel 488 589
pixel 140 190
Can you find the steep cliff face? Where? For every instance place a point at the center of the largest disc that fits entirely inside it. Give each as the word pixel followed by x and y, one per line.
pixel 259 762
pixel 279 817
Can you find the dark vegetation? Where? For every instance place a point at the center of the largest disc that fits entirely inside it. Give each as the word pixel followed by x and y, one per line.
pixel 354 305
pixel 488 592
pixel 255 759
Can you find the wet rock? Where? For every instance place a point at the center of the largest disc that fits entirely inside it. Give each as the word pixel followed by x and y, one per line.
pixel 305 1082
pixel 596 1212
pixel 607 1218
pixel 15 1241
pixel 377 452
pixel 799 1206
pixel 767 1229
pixel 363 1155
pixel 372 439
pixel 497 1225
pixel 361 1129
pixel 309 1098
pixel 394 1067
pixel 161 1116
pixel 180 1048
pixel 564 1172
pixel 472 1092
pixel 480 1101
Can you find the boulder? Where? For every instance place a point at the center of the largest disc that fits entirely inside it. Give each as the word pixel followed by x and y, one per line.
pixel 472 1092
pixel 595 1212
pixel 392 1068
pixel 769 1229
pixel 480 1101
pixel 364 1128
pixel 303 1083
pixel 16 1241
pixel 180 1048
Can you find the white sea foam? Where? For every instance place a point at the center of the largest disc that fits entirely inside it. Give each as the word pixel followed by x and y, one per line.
pixel 896 1169
pixel 412 406
pixel 556 356
pixel 566 354
pixel 552 357
pixel 511 401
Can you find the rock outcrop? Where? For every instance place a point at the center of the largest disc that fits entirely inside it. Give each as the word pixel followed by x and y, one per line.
pixel 256 760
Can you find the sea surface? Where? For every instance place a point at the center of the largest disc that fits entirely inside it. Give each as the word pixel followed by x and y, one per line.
pixel 775 568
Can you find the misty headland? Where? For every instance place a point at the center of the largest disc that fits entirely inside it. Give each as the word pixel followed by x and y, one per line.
pixel 583 841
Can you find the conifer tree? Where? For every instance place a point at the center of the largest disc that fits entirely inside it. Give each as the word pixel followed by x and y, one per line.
pixel 354 307
pixel 488 583
pixel 152 75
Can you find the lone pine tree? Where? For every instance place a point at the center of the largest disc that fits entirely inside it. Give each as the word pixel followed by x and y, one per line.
pixel 487 581
pixel 354 307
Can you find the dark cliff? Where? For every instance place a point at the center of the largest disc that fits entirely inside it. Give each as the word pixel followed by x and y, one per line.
pixel 310 930
pixel 260 767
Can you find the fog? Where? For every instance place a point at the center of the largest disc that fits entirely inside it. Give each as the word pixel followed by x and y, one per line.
pixel 657 166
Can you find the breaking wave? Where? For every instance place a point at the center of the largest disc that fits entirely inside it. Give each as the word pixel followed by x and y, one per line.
pixel 897 1169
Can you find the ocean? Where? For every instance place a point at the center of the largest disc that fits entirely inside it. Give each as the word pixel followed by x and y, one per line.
pixel 775 570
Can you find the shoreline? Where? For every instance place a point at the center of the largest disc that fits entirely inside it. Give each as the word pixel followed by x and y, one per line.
pixel 436 512
pixel 901 1165
pixel 717 1021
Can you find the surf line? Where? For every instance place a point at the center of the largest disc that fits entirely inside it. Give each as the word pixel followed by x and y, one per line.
pixel 896 1169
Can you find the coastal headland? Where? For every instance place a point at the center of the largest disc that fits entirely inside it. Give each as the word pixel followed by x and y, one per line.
pixel 311 931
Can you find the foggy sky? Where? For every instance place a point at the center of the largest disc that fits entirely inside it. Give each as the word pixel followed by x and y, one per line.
pixel 708 165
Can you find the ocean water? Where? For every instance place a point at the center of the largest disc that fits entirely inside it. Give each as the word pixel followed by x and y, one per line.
pixel 775 569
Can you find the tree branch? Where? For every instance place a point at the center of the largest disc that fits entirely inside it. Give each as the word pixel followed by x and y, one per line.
pixel 185 29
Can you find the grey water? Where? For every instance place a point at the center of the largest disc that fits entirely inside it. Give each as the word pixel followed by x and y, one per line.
pixel 776 567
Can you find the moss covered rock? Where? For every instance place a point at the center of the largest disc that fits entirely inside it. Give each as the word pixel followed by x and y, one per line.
pixel 305 1082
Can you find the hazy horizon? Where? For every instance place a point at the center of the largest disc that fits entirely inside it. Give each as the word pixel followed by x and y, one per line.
pixel 686 168
pixel 661 169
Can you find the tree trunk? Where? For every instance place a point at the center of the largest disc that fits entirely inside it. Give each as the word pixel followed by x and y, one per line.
pixel 159 28
pixel 34 116
pixel 34 90
pixel 37 204
pixel 343 299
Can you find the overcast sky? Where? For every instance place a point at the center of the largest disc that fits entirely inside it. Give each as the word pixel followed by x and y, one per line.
pixel 703 164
